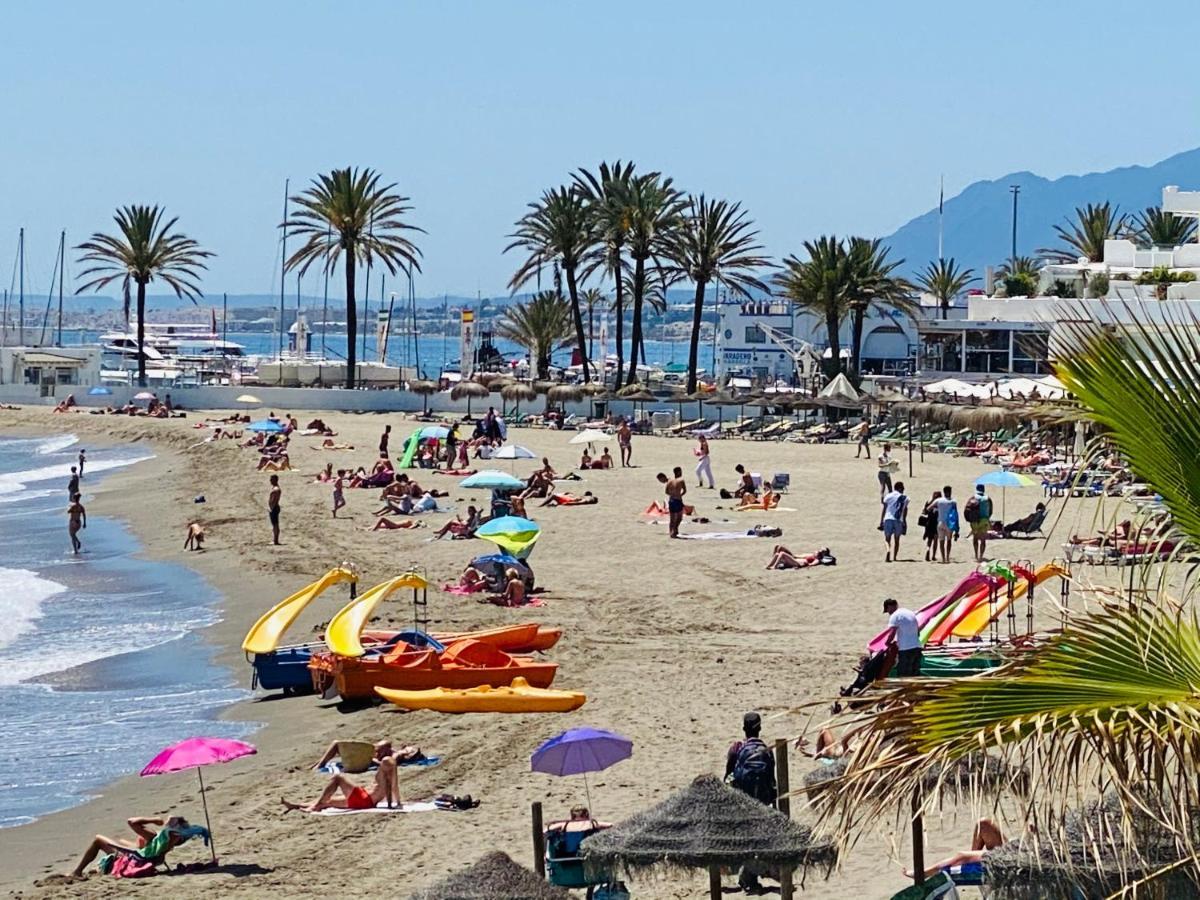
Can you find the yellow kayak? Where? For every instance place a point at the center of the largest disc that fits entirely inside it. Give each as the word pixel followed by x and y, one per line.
pixel 519 697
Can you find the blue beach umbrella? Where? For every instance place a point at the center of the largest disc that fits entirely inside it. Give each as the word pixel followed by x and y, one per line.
pixel 434 432
pixel 1004 480
pixel 492 480
pixel 512 534
pixel 268 426
pixel 99 391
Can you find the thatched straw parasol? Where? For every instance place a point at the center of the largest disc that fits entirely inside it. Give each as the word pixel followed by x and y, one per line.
pixel 497 384
pixel 486 378
pixel 594 388
pixel 516 391
pixel 494 877
pixel 630 389
pixel 565 393
pixel 542 386
pixel 707 825
pixel 1096 854
pixel 424 388
pixel 983 419
pixel 720 401
pixel 468 389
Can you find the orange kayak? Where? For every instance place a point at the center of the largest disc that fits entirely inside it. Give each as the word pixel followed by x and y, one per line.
pixel 518 697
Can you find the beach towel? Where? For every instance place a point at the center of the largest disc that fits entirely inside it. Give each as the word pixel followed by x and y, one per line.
pixel 718 536
pixel 459 591
pixel 457 473
pixel 336 768
pixel 404 807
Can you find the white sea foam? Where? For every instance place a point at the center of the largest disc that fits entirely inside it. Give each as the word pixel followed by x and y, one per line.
pixel 56 443
pixel 11 482
pixel 21 599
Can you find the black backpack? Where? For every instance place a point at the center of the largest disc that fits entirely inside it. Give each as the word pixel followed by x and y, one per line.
pixel 971 510
pixel 754 771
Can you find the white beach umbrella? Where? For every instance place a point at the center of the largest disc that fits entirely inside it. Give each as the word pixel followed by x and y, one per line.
pixel 249 400
pixel 590 436
pixel 513 452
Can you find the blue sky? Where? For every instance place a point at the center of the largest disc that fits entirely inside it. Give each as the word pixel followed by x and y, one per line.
pixel 819 117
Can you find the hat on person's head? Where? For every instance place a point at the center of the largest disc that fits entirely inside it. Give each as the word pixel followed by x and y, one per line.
pixel 751 721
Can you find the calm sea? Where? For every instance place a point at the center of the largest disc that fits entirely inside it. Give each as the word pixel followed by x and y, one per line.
pixel 100 665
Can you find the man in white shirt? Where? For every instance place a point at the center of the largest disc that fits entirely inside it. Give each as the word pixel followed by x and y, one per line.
pixel 895 520
pixel 906 635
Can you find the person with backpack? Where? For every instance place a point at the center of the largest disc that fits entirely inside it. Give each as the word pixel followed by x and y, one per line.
pixel 946 508
pixel 978 513
pixel 750 767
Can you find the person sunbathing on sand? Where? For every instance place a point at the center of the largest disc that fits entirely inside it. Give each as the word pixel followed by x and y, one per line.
pixel 383 523
pixel 279 463
pixel 769 500
pixel 783 558
pixel 458 528
pixel 382 790
pixel 178 827
pixel 383 750
pixel 328 444
pixel 326 474
pixel 514 590
pixel 569 499
pixel 986 836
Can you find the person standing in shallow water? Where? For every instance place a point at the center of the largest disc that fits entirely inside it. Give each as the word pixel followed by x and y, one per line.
pixel 82 460
pixel 273 508
pixel 76 520
pixel 73 484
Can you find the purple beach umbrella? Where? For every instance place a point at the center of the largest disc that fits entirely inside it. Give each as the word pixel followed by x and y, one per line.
pixel 579 751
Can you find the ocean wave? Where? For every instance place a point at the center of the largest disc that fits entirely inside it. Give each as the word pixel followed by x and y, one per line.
pixel 11 482
pixel 21 601
pixel 42 445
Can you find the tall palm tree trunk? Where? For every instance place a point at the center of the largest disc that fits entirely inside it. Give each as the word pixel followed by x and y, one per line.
pixel 351 322
pixel 620 307
pixel 141 332
pixel 833 326
pixel 694 343
pixel 635 331
pixel 580 337
pixel 856 335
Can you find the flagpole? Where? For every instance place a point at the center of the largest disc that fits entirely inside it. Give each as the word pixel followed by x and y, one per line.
pixel 941 203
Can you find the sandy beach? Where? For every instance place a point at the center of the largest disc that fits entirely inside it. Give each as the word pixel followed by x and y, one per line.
pixel 671 641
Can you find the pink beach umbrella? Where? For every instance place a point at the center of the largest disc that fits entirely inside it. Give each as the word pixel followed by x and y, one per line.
pixel 193 753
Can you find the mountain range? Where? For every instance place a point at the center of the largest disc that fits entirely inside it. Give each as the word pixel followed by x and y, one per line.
pixel 978 221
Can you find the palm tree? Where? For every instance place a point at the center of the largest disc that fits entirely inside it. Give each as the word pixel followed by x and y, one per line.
pixel 604 194
pixel 556 229
pixel 873 284
pixel 715 243
pixel 1155 228
pixel 1094 224
pixel 818 286
pixel 145 249
pixel 1020 266
pixel 944 281
pixel 541 325
pixel 348 212
pixel 654 210
pixel 1110 703
pixel 591 298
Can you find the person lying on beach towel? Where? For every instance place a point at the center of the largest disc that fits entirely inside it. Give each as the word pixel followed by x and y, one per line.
pixel 383 523
pixel 472 581
pixel 317 426
pixel 657 509
pixel 328 444
pixel 325 475
pixel 457 473
pixel 569 499
pixel 127 859
pixel 768 501
pixel 384 749
pixel 783 558
pixel 383 790
pixel 986 836
pixel 280 463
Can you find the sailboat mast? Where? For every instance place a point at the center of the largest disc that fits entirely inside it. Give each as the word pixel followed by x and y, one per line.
pixel 283 269
pixel 21 308
pixel 325 305
pixel 412 308
pixel 62 266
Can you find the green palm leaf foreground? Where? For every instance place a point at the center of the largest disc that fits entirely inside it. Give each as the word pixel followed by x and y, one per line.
pixel 348 213
pixel 541 325
pixel 1111 703
pixel 146 248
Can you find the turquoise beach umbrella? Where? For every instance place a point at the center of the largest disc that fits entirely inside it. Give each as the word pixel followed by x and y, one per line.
pixel 492 480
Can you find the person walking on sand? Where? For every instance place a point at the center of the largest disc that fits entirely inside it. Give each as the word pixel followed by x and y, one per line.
pixel 674 488
pixel 886 467
pixel 978 513
pixel 929 521
pixel 73 484
pixel 82 460
pixel 704 464
pixel 383 441
pixel 894 522
pixel 273 508
pixel 947 522
pixel 339 495
pixel 862 434
pixel 625 442
pixel 76 519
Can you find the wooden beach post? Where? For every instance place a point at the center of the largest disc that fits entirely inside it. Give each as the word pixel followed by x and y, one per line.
pixel 539 840
pixel 784 803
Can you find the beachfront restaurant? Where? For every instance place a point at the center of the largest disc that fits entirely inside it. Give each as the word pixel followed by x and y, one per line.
pixel 54 370
pixel 984 349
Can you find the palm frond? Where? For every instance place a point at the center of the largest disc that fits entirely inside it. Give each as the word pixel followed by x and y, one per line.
pixel 541 325
pixel 1094 224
